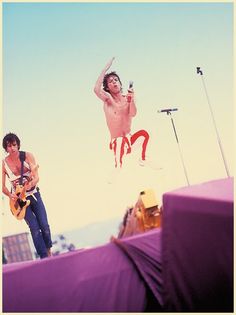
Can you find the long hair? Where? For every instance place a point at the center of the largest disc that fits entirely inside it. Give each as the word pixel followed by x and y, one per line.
pixel 9 139
pixel 106 77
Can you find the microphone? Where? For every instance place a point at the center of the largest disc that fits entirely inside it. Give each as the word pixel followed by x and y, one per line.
pixel 199 70
pixel 167 110
pixel 131 83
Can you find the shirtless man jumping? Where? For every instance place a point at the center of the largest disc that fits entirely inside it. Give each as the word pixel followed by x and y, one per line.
pixel 119 110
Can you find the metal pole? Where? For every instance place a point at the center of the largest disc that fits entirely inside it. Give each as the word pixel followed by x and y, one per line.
pixel 177 140
pixel 214 123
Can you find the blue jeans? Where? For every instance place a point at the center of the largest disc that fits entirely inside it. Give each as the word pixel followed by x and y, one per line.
pixel 36 218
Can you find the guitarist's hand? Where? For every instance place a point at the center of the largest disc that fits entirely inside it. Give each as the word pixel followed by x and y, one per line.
pixel 13 197
pixel 28 185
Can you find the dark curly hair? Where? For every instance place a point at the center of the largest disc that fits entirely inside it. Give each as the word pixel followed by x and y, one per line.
pixel 106 77
pixel 9 139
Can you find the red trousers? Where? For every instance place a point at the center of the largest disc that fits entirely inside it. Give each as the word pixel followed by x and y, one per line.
pixel 126 142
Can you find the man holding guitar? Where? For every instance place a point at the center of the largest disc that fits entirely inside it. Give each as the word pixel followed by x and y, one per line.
pixel 25 200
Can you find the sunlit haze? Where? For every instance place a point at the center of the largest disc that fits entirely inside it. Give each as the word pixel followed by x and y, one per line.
pixel 52 56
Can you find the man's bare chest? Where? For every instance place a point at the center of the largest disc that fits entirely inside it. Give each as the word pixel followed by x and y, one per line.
pixel 117 108
pixel 15 167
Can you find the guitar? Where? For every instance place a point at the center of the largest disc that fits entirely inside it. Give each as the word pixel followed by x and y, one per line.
pixel 18 206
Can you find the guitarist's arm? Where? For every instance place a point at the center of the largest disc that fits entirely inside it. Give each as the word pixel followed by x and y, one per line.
pixel 34 171
pixel 5 190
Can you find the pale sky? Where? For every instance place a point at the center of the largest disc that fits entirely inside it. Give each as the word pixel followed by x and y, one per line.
pixel 52 56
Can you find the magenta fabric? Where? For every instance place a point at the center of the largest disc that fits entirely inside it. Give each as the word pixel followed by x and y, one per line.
pixel 187 265
pixel 197 248
pixel 101 279
pixel 145 253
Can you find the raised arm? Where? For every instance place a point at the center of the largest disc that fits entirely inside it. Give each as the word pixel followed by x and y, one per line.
pixel 103 95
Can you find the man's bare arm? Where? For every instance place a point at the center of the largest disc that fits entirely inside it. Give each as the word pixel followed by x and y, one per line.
pixel 34 170
pixel 131 102
pixel 103 95
pixel 4 188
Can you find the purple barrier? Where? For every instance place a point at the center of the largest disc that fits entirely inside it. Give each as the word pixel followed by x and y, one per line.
pixel 186 266
pixel 101 279
pixel 145 253
pixel 198 248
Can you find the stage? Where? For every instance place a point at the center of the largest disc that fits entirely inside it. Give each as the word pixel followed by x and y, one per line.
pixel 187 265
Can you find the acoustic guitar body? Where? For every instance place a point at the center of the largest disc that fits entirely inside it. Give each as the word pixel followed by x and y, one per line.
pixel 18 207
